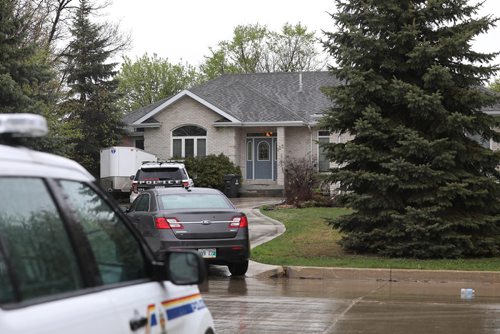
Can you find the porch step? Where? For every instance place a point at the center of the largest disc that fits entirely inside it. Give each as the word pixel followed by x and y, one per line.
pixel 261 190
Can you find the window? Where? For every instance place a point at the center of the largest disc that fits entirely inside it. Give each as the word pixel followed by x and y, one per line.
pixel 249 150
pixel 323 162
pixel 139 143
pixel 275 149
pixel 6 287
pixel 193 201
pixel 33 235
pixel 263 151
pixel 116 251
pixel 189 141
pixel 142 203
pixel 161 173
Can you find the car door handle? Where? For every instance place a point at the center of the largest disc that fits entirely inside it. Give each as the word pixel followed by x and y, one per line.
pixel 137 323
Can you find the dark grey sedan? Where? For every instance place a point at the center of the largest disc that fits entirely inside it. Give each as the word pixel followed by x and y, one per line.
pixel 195 218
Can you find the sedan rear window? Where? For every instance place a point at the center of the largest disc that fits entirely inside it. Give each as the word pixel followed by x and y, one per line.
pixel 193 201
pixel 156 174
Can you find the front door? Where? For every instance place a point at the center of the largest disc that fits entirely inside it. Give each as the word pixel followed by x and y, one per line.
pixel 261 158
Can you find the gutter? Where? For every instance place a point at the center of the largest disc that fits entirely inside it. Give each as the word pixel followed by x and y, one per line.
pixel 254 124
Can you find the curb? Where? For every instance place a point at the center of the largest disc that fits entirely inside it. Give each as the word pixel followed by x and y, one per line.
pixel 389 275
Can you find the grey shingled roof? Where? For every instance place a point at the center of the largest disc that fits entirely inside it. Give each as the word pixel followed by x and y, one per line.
pixel 260 97
pixel 135 115
pixel 265 97
pixel 268 97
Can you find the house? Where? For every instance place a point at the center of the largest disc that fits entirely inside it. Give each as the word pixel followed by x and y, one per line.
pixel 257 120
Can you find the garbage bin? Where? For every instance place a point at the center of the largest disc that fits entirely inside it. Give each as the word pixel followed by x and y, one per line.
pixel 231 185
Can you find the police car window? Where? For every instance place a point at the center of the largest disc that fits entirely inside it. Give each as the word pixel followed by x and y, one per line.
pixel 6 287
pixel 164 173
pixel 143 203
pixel 40 254
pixel 117 252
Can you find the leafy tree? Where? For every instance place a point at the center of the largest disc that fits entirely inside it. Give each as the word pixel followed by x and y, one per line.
pixel 412 97
pixel 217 64
pixel 495 86
pixel 247 48
pixel 150 79
pixel 255 49
pixel 91 104
pixel 293 50
pixel 47 23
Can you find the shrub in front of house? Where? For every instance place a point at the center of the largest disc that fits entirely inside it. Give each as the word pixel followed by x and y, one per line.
pixel 299 181
pixel 209 171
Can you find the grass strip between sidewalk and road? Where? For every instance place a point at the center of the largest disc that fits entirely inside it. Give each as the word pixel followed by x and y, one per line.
pixel 310 241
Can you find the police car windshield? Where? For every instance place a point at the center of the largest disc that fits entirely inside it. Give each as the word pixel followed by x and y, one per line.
pixel 155 174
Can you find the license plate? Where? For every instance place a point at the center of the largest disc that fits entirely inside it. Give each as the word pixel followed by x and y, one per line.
pixel 208 253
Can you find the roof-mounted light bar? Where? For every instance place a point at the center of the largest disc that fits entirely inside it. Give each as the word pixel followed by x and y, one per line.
pixel 23 125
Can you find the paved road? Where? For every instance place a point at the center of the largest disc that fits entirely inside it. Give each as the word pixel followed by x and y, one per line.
pixel 258 306
pixel 251 305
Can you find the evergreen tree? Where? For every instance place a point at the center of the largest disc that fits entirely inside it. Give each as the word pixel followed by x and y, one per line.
pixel 91 105
pixel 412 97
pixel 21 73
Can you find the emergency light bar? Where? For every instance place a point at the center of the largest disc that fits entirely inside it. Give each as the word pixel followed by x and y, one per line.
pixel 23 125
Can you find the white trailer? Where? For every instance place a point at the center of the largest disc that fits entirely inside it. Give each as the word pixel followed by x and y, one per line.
pixel 118 163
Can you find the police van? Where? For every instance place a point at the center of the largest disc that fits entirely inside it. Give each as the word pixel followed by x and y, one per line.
pixel 70 262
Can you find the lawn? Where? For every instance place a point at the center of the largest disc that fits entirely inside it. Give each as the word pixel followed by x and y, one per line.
pixel 310 241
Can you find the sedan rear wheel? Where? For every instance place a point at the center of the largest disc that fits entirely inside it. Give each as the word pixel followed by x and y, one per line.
pixel 238 268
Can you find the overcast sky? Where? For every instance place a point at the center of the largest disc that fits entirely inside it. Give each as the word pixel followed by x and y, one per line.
pixel 184 30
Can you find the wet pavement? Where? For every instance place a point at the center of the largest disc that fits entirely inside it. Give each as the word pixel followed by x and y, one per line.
pixel 251 305
pixel 254 304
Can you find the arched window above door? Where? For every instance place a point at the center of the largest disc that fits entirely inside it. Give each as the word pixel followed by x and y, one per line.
pixel 189 131
pixel 189 141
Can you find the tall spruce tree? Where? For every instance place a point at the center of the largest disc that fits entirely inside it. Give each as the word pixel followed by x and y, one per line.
pixel 93 89
pixel 419 184
pixel 21 73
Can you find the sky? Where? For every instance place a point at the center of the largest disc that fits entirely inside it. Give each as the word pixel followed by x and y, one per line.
pixel 183 31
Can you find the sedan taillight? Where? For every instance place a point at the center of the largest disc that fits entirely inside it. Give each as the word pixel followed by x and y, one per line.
pixel 239 221
pixel 163 223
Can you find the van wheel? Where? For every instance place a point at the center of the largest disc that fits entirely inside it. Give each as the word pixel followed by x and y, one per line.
pixel 209 331
pixel 238 268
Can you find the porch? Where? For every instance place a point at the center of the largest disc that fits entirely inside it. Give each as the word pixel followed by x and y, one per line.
pixel 261 188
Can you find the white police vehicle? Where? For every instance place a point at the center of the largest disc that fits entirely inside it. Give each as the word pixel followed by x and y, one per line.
pixel 70 262
pixel 159 174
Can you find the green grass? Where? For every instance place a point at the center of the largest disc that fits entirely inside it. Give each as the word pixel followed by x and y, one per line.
pixel 310 241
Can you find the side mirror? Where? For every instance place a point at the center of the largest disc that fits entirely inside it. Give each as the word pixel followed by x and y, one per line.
pixel 132 177
pixel 185 267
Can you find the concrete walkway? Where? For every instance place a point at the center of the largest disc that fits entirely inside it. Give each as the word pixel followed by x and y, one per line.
pixel 262 229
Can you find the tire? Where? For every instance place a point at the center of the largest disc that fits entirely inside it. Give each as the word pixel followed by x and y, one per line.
pixel 209 331
pixel 238 268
